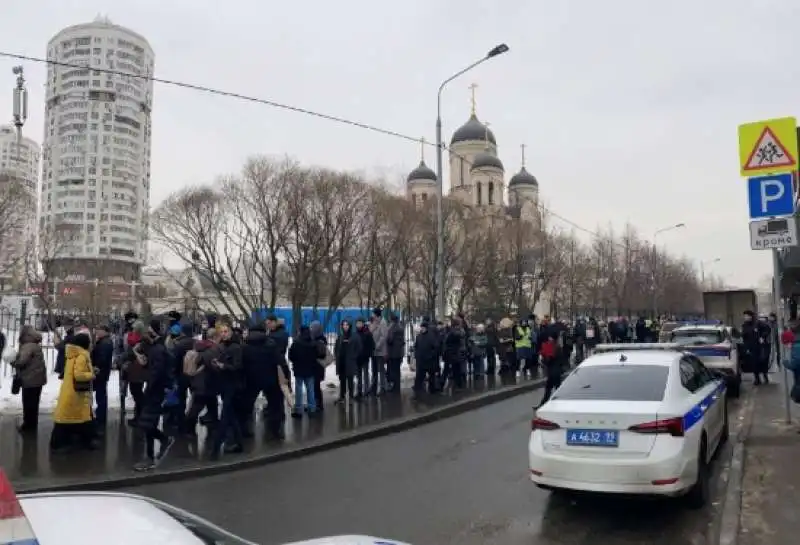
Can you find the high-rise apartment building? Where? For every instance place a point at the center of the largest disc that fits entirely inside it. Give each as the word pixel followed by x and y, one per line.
pixel 19 180
pixel 96 150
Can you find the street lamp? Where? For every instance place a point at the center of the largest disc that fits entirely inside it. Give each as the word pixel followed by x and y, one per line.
pixel 655 261
pixel 703 269
pixel 494 52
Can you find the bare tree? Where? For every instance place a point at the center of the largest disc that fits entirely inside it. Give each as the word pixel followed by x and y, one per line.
pixel 44 262
pixel 16 204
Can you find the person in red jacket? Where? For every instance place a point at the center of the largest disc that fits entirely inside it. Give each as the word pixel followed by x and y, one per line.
pixel 549 353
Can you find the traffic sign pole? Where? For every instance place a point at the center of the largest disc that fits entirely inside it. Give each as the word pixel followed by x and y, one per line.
pixel 776 298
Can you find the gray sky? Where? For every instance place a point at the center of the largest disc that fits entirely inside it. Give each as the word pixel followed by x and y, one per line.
pixel 629 108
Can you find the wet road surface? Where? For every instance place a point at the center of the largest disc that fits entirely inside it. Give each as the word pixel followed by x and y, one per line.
pixel 463 480
pixel 29 464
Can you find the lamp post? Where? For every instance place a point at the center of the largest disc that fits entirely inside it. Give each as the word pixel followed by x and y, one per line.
pixel 441 300
pixel 703 270
pixel 655 261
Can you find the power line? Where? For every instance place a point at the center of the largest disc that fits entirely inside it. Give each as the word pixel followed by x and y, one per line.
pixel 266 102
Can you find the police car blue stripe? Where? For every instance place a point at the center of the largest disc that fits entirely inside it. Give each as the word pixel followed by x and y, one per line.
pixel 709 352
pixel 696 413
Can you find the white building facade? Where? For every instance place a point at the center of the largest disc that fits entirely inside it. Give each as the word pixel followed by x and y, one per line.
pixel 19 165
pixel 96 148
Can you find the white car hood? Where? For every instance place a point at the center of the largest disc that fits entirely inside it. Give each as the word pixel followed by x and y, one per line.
pixel 349 540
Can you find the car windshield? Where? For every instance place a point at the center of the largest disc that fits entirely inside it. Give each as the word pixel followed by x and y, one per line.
pixel 696 337
pixel 615 383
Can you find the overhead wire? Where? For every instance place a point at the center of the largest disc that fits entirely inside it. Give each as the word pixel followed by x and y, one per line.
pixel 279 105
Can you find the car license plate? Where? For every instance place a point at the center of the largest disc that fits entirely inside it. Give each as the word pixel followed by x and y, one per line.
pixel 593 438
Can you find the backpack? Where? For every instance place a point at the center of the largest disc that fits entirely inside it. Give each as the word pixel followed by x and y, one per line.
pixel 191 361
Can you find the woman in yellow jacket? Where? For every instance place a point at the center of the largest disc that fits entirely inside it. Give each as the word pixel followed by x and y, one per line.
pixel 73 414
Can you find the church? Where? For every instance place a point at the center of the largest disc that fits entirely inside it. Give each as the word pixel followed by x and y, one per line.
pixel 478 176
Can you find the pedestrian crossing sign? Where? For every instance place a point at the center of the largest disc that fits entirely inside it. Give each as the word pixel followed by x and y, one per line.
pixel 768 147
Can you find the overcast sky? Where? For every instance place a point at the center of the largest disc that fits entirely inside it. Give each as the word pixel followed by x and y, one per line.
pixel 629 108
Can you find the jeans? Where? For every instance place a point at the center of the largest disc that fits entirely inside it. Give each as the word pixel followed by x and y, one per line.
pixel 307 384
pixel 30 407
pixel 137 393
pixel 229 422
pixel 378 374
pixel 151 436
pixel 101 402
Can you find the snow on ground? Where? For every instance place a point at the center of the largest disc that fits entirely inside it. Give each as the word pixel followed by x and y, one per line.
pixel 10 404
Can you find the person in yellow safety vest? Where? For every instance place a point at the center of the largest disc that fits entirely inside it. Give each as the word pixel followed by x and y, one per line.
pixel 522 343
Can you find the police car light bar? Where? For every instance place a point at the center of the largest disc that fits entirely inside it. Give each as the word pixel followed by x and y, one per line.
pixel 15 529
pixel 634 347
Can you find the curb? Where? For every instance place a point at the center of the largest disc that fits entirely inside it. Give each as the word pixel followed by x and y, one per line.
pixel 732 500
pixel 373 432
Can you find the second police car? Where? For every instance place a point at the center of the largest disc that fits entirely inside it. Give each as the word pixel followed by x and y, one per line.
pixel 632 419
pixel 716 347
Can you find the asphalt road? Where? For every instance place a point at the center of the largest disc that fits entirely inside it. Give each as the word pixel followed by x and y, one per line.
pixel 463 480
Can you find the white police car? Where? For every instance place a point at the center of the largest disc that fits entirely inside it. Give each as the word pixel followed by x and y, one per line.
pixel 632 419
pixel 714 345
pixel 100 518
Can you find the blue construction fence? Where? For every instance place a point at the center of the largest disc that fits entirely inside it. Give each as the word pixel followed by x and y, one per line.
pixel 309 314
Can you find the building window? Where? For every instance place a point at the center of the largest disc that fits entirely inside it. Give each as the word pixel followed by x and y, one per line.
pixel 463 169
pixel 491 193
pixel 424 198
pixel 414 199
pixel 478 189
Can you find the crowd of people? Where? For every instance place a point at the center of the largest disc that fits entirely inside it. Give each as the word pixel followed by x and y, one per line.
pixel 178 380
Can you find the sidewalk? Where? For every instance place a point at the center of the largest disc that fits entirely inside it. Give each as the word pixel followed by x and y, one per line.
pixel 771 481
pixel 29 464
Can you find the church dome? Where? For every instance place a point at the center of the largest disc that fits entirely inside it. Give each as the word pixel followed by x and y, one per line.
pixel 471 131
pixel 422 172
pixel 523 177
pixel 487 160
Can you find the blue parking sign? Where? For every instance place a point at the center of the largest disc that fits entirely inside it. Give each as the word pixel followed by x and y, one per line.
pixel 770 196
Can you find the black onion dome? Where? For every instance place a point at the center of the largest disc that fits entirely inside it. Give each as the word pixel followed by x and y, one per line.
pixel 486 160
pixel 523 177
pixel 471 131
pixel 422 172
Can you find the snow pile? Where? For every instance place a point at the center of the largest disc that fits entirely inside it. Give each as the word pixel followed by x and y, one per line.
pixel 10 404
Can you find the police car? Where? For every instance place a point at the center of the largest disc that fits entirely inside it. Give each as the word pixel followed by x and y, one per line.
pixel 632 419
pixel 100 518
pixel 714 345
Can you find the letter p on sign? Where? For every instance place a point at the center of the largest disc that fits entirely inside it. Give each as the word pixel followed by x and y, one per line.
pixel 770 196
pixel 771 191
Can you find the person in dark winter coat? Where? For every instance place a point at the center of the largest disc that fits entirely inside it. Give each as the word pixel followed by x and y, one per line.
pixel 455 353
pixel 426 356
pixel 61 345
pixel 303 353
pixel 136 374
pixel 754 335
pixel 153 355
pixel 395 352
pixel 642 333
pixel 321 340
pixel 228 367
pixel 491 347
pixel 204 395
pixel 102 356
pixel 181 345
pixel 31 370
pixel 261 359
pixel 364 357
pixel 346 351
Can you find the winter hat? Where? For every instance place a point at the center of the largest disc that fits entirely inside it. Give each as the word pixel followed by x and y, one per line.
pixel 155 327
pixel 83 340
pixel 174 316
pixel 175 330
pixel 377 312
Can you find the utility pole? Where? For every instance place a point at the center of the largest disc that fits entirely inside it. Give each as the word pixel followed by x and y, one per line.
pixel 572 277
pixel 20 105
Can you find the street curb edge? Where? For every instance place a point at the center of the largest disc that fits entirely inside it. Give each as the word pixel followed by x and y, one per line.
pixel 374 432
pixel 732 501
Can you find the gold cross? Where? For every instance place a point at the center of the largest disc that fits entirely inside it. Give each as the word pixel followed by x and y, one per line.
pixel 522 147
pixel 474 103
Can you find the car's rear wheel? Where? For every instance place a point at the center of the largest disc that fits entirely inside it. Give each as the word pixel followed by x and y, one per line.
pixel 698 494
